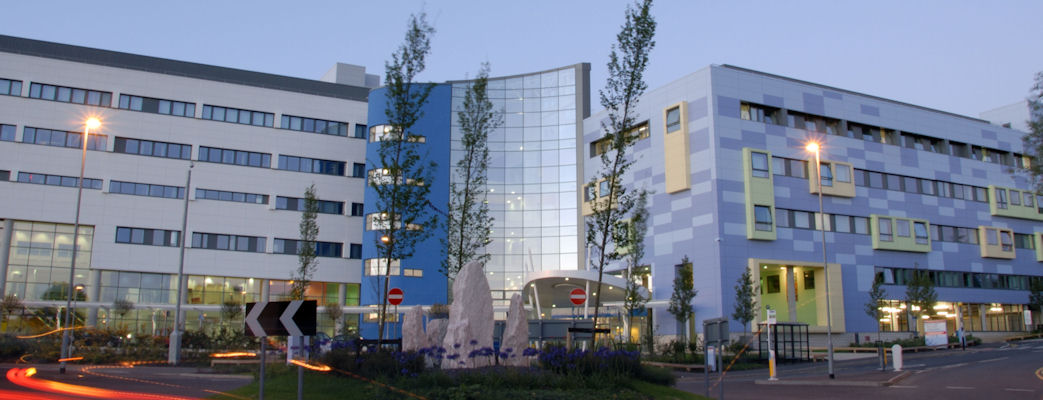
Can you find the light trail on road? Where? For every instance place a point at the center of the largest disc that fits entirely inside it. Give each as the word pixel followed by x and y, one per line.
pixel 24 377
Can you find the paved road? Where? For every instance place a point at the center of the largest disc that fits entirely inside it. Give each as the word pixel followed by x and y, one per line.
pixel 153 382
pixel 987 372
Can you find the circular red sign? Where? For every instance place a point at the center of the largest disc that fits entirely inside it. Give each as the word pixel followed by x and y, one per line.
pixel 395 296
pixel 578 296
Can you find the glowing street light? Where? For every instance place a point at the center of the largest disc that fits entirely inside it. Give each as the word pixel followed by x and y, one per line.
pixel 90 123
pixel 814 147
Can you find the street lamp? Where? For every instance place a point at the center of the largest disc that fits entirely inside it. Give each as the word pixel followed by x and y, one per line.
pixel 90 123
pixel 814 148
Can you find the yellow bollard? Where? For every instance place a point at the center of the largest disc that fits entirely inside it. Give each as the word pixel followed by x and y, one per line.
pixel 771 365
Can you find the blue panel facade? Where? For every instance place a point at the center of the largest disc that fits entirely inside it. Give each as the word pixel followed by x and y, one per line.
pixel 430 288
pixel 708 222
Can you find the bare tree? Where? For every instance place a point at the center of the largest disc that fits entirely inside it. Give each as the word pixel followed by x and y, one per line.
pixel 10 305
pixel 309 233
pixel 627 62
pixel 468 222
pixel 633 298
pixel 402 194
pixel 1033 140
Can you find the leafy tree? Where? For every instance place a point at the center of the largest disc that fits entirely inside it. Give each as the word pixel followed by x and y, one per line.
pixel 60 291
pixel 633 298
pixel 468 222
pixel 680 305
pixel 1033 140
pixel 745 304
pixel 626 66
pixel 876 301
pixel 919 293
pixel 402 194
pixel 10 305
pixel 309 232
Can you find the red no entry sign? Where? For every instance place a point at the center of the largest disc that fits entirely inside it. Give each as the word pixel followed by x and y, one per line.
pixel 578 296
pixel 395 296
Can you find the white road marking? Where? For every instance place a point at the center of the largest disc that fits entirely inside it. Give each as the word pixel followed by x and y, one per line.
pixel 954 365
pixel 959 387
pixel 904 387
pixel 993 359
pixel 1018 390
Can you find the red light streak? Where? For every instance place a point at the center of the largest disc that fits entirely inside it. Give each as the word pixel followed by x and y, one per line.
pixel 23 377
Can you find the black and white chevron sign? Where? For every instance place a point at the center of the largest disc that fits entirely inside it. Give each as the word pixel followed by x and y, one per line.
pixel 281 318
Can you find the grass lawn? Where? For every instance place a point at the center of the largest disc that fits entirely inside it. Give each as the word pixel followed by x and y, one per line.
pixel 322 386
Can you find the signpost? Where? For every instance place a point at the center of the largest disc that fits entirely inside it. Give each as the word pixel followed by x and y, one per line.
pixel 395 296
pixel 280 318
pixel 771 350
pixel 936 332
pixel 578 296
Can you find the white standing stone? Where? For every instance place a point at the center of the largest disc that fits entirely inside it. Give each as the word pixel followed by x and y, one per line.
pixel 436 331
pixel 413 337
pixel 470 320
pixel 515 335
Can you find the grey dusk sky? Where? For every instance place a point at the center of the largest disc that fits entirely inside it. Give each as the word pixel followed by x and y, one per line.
pixel 957 56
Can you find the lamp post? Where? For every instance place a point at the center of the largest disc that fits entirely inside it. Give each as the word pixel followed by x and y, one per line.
pixel 91 123
pixel 174 350
pixel 814 148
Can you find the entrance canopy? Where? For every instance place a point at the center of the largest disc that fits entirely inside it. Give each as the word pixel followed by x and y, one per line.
pixel 547 291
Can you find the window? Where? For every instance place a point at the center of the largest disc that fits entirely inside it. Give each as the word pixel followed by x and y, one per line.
pixel 884 225
pixel 673 119
pixel 70 95
pixel 216 241
pixel 311 165
pixel 920 229
pixel 1024 241
pixel 380 133
pixel 358 170
pixel 238 116
pixel 298 204
pixel 797 169
pixel 5 175
pixel 801 219
pixel 51 137
pixel 378 267
pixel 7 132
pixel 759 163
pixel 590 192
pixel 902 227
pixel 759 113
pixel 10 87
pixel 1001 198
pixel 357 209
pixel 827 174
pixel 771 282
pixel 1007 240
pixel 355 251
pixel 152 237
pixel 843 173
pixel 154 149
pixel 211 194
pixel 234 157
pixel 1028 199
pixel 762 216
pixel 782 218
pixel 360 131
pixel 604 188
pixel 314 125
pixel 58 180
pixel 145 189
pixel 1015 197
pixel 157 106
pixel 809 280
pixel 322 249
pixel 412 272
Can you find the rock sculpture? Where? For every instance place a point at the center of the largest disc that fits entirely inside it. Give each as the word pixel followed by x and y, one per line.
pixel 515 335
pixel 413 337
pixel 469 335
pixel 436 331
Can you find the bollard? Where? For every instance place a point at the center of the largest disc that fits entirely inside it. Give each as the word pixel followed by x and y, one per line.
pixel 771 365
pixel 896 355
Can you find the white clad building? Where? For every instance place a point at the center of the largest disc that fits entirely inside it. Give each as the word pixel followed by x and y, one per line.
pixel 256 141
